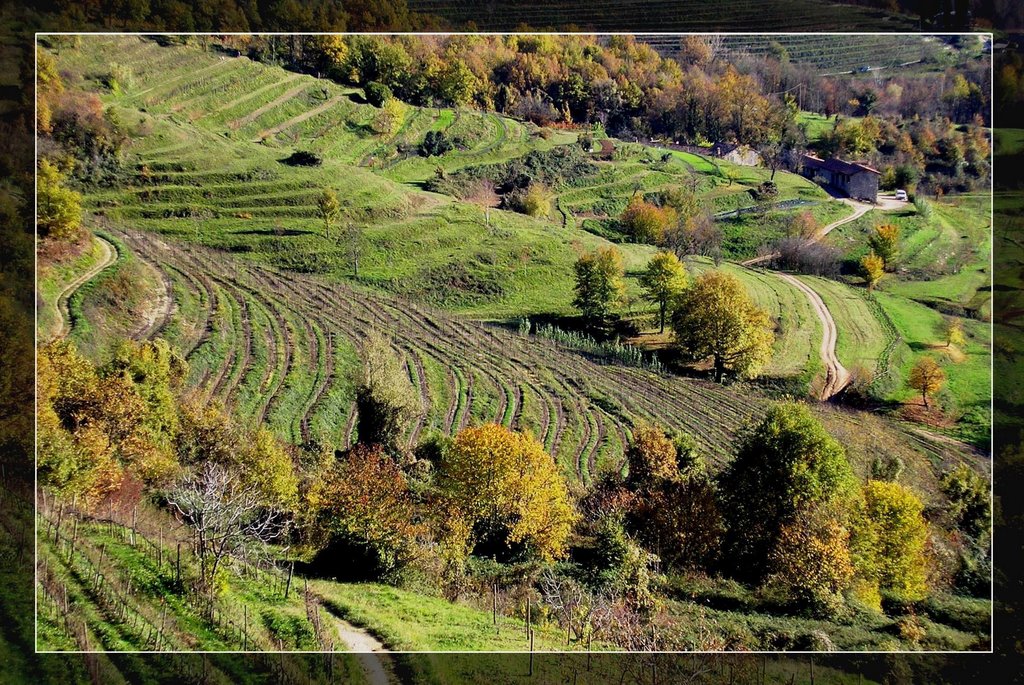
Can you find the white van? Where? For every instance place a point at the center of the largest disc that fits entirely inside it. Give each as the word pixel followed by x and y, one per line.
pixel 901 195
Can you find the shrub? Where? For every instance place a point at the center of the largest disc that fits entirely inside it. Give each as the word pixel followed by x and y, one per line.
pixel 435 143
pixel 362 505
pixel 377 93
pixel 923 207
pixel 970 505
pixel 646 222
pixel 651 458
pixel 534 201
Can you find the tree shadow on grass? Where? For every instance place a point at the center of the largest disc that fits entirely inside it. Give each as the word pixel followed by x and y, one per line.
pixel 289 232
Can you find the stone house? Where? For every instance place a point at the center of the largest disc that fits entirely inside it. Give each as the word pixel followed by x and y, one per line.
pixel 853 179
pixel 743 155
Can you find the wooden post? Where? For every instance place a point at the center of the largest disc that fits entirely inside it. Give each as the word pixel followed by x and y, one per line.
pixel 177 566
pixel 529 611
pixel 288 584
pixel 531 646
pixel 494 602
pixel 245 627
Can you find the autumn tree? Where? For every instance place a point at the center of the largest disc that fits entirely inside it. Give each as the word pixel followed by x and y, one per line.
pixel 59 211
pixel 598 282
pixel 784 462
pixel 663 281
pixel 811 561
pixel 895 516
pixel 716 319
pixel 329 209
pixel 695 234
pixel 509 489
pixel 385 399
pixel 362 502
pixel 927 377
pixel 651 457
pixel 970 504
pixel 803 225
pixel 872 268
pixel 953 331
pixel 387 119
pixel 885 242
pixel 646 222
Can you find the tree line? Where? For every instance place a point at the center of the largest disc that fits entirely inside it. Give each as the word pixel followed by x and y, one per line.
pixel 787 515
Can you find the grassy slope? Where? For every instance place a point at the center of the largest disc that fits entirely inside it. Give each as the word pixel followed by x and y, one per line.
pixel 925 281
pixel 214 176
pixel 55 277
pixel 406 620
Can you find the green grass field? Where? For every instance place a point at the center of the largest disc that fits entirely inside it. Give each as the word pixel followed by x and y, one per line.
pixel 209 134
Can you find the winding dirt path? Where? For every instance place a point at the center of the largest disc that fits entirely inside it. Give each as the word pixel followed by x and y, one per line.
pixel 836 375
pixel 859 210
pixel 60 303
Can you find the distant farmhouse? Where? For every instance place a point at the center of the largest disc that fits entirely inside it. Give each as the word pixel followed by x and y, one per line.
pixel 858 181
pixel 737 154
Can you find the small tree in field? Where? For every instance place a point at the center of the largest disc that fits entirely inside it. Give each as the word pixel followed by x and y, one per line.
pixel 953 332
pixel 385 399
pixel 716 319
pixel 927 377
pixel 353 239
pixel 598 282
pixel 872 268
pixel 663 281
pixel 885 242
pixel 225 513
pixel 329 209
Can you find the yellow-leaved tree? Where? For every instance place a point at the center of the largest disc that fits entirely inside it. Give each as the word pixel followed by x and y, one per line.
pixel 894 517
pixel 509 490
pixel 885 242
pixel 872 268
pixel 927 377
pixel 663 281
pixel 715 318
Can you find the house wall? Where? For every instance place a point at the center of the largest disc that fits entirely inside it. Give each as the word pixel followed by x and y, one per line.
pixel 863 186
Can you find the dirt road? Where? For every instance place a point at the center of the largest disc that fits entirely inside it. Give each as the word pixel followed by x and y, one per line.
pixel 836 375
pixel 859 210
pixel 368 650
pixel 60 303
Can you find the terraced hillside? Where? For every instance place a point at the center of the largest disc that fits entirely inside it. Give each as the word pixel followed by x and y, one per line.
pixel 274 330
pixel 280 347
pixel 210 133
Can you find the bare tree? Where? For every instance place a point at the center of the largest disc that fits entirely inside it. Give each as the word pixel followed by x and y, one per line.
pixel 225 514
pixel 353 238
